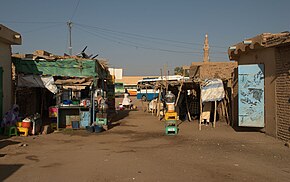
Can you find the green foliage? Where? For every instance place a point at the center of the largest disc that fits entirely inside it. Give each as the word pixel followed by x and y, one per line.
pixel 179 71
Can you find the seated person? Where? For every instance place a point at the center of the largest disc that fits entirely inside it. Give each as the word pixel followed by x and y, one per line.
pixel 127 103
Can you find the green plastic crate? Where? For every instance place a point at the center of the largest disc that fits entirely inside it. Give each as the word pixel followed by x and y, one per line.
pixel 171 130
pixel 101 121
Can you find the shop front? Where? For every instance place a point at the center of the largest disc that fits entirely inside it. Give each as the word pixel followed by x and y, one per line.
pixel 72 83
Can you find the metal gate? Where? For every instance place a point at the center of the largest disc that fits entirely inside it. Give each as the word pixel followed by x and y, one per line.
pixel 1 93
pixel 251 95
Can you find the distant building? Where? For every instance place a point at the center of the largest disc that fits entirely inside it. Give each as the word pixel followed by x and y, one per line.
pixel 270 55
pixel 206 70
pixel 209 70
pixel 7 38
pixel 132 80
pixel 117 73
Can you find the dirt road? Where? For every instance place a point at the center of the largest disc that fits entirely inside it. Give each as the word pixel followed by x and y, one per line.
pixel 137 149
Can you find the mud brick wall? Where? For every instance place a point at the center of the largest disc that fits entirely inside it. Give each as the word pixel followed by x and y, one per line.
pixel 283 92
pixel 218 70
pixel 222 70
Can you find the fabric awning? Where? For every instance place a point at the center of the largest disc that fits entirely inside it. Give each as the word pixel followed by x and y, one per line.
pixel 212 90
pixel 37 81
pixel 74 83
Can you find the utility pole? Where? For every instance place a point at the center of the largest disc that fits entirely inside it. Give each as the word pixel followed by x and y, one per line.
pixel 69 24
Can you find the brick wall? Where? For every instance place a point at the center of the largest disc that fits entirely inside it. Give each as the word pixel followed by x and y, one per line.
pixel 283 92
pixel 222 70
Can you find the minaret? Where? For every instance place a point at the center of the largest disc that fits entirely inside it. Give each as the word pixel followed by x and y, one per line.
pixel 206 50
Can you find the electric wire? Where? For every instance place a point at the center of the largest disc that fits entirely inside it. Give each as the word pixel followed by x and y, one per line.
pixel 31 22
pixel 115 37
pixel 137 45
pixel 109 33
pixel 147 37
pixel 75 10
pixel 41 28
pixel 106 33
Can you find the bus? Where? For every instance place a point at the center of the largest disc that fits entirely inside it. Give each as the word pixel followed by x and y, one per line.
pixel 131 89
pixel 119 89
pixel 146 90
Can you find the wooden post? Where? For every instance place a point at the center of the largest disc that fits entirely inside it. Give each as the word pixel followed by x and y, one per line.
pixel 158 105
pixel 180 89
pixel 200 105
pixel 186 102
pixel 214 119
pixel 227 102
pixel 42 91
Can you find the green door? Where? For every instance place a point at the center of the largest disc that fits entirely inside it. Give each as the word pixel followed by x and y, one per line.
pixel 1 93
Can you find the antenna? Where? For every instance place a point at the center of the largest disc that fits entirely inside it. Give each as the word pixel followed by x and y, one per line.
pixel 69 24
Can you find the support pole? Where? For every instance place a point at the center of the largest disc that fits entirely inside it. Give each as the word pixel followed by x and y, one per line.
pixel 200 105
pixel 69 24
pixel 214 119
pixel 188 113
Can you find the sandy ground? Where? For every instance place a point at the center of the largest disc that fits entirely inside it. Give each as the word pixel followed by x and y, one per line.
pixel 137 149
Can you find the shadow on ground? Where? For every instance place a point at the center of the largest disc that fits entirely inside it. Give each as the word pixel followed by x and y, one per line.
pixel 115 121
pixel 8 170
pixel 5 143
pixel 248 129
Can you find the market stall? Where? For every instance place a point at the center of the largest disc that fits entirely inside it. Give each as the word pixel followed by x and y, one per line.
pixel 72 80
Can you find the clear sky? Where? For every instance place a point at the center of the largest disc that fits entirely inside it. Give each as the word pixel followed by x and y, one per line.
pixel 141 36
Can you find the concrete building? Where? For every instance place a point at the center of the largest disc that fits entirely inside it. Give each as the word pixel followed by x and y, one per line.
pixel 8 37
pixel 270 53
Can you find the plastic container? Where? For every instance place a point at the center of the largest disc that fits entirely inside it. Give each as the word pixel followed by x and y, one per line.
pixel 52 112
pixel 26 124
pixel 19 124
pixel 75 125
pixel 90 129
pixel 170 101
pixel 75 102
pixel 103 107
pixel 98 128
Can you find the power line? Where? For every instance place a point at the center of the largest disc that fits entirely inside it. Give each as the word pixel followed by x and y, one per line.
pixel 32 22
pixel 116 38
pixel 41 28
pixel 148 37
pixel 138 45
pixel 108 33
pixel 135 44
pixel 75 10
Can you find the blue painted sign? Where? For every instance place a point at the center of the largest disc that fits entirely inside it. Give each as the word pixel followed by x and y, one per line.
pixel 251 95
pixel 85 119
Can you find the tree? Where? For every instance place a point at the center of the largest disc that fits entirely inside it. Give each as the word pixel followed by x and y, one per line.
pixel 180 70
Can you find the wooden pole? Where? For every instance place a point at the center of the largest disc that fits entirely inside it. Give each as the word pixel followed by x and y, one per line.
pixel 153 109
pixel 158 105
pixel 178 96
pixel 227 102
pixel 188 113
pixel 200 105
pixel 214 119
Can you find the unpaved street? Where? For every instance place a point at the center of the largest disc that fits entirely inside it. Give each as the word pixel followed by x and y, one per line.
pixel 137 149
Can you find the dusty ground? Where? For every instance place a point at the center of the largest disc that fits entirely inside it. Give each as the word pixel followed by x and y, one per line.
pixel 136 149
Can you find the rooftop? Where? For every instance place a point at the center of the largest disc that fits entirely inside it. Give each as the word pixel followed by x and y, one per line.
pixel 264 40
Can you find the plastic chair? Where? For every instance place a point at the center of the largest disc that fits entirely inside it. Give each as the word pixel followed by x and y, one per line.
pixel 23 130
pixel 10 131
